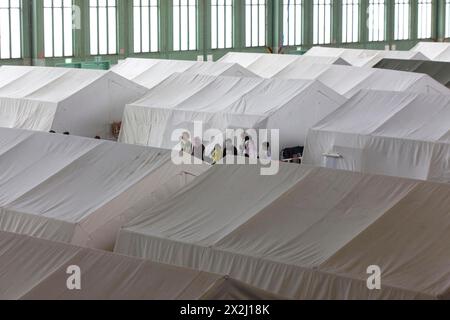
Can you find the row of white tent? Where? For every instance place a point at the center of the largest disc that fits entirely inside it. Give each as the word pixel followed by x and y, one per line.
pixel 435 51
pixel 330 226
pixel 304 233
pixel 219 95
pixel 35 269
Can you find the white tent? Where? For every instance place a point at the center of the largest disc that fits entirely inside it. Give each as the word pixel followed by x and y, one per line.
pixel 438 51
pixel 364 57
pixel 267 65
pixel 400 134
pixel 82 102
pixel 348 81
pixel 151 72
pixel 79 190
pixel 36 269
pixel 305 233
pixel 221 103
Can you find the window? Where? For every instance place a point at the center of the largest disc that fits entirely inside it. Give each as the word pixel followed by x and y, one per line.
pixel 221 24
pixel 184 25
pixel 146 26
pixel 447 19
pixel 292 28
pixel 255 23
pixel 402 19
pixel 377 20
pixel 10 29
pixel 350 21
pixel 58 36
pixel 424 19
pixel 103 26
pixel 322 21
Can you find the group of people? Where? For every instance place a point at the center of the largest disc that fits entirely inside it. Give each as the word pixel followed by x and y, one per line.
pixel 247 148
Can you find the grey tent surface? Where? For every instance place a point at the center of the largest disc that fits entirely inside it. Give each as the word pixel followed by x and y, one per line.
pixel 267 65
pixel 305 233
pixel 383 132
pixel 82 102
pixel 349 80
pixel 79 190
pixel 439 71
pixel 36 269
pixel 291 106
pixel 364 57
pixel 151 72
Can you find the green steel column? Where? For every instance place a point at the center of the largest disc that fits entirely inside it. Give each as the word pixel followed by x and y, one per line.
pixel 37 18
pixel 364 18
pixel 414 21
pixel 440 22
pixel 308 24
pixel 276 25
pixel 336 22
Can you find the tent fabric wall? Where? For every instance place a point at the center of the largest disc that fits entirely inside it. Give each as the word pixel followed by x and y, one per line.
pixel 82 102
pixel 363 57
pixel 401 134
pixel 436 51
pixel 151 72
pixel 348 81
pixel 78 190
pixel 36 269
pixel 330 227
pixel 439 71
pixel 220 103
pixel 267 65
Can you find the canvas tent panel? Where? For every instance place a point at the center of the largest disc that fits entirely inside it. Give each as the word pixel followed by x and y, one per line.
pixel 227 103
pixel 432 50
pixel 151 72
pixel 36 269
pixel 78 190
pixel 323 216
pixel 440 71
pixel 399 134
pixel 349 81
pixel 82 102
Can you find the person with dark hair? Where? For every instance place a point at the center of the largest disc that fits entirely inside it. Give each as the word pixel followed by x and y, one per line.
pixel 52 131
pixel 98 138
pixel 198 149
pixel 230 149
pixel 67 133
pixel 266 153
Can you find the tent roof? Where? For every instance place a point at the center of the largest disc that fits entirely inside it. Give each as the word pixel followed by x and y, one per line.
pixel 202 93
pixel 44 83
pixel 401 115
pixel 267 65
pixel 437 51
pixel 440 71
pixel 363 57
pixel 36 269
pixel 330 227
pixel 79 190
pixel 348 80
pixel 151 72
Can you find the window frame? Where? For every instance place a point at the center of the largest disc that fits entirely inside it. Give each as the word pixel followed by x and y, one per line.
pixel 152 48
pixel 352 34
pixel 425 19
pixel 261 10
pixel 296 25
pixel 317 21
pixel 66 51
pixel 180 47
pixel 97 8
pixel 398 4
pixel 373 32
pixel 224 41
